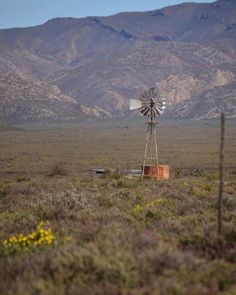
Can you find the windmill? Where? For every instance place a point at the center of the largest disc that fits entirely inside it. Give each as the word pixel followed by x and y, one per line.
pixel 151 105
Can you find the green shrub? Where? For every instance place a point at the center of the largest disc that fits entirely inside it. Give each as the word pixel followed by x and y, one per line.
pixel 89 266
pixel 212 176
pixel 208 187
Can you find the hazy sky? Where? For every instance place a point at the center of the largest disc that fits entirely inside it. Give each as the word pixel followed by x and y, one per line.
pixel 22 13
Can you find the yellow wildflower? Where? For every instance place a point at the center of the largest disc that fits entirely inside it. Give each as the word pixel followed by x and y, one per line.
pixel 36 238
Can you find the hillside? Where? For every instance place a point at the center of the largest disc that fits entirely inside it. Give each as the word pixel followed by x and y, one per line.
pixel 188 50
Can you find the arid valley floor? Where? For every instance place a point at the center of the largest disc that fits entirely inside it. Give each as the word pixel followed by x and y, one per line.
pixel 113 235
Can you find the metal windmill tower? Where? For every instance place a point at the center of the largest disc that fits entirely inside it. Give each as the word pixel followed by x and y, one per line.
pixel 151 105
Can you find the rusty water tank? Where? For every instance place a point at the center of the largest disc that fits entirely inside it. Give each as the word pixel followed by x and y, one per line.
pixel 151 171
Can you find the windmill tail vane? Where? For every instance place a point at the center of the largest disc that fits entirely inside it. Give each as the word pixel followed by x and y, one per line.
pixel 150 104
pixel 134 104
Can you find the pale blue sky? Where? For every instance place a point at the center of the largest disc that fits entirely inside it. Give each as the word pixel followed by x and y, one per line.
pixel 23 13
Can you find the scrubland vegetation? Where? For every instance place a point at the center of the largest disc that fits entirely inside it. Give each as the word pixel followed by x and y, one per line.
pixel 113 235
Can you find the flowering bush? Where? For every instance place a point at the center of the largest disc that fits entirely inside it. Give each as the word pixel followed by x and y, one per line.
pixel 35 239
pixel 153 203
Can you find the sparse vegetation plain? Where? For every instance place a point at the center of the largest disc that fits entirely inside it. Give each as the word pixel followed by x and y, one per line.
pixel 113 235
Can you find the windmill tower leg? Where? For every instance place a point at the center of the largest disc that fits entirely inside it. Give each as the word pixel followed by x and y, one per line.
pixel 156 152
pixel 151 153
pixel 145 152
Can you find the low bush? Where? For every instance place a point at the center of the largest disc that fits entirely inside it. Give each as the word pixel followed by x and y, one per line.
pixel 59 169
pixel 3 191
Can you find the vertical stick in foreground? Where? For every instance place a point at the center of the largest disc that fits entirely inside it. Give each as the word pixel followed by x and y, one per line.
pixel 221 188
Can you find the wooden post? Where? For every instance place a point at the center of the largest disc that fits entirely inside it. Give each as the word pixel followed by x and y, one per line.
pixel 221 188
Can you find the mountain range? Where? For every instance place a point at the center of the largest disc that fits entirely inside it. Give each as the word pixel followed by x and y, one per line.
pixel 75 69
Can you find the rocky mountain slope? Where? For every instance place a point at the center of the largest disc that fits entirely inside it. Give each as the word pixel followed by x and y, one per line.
pixel 70 68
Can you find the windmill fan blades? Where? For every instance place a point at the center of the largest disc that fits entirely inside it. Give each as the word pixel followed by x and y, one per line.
pixel 134 104
pixel 156 111
pixel 144 110
pixel 146 104
pixel 159 108
pixel 151 103
pixel 159 111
